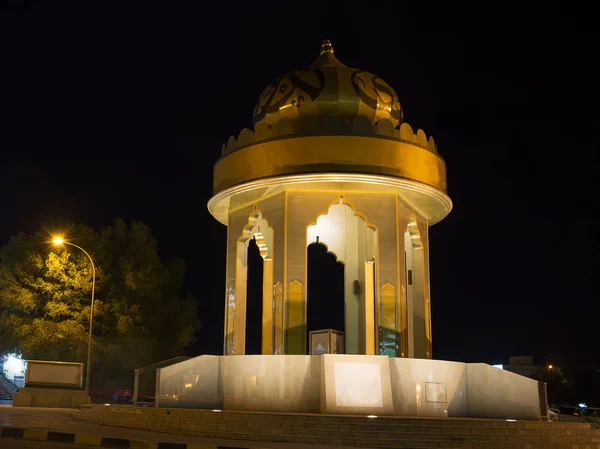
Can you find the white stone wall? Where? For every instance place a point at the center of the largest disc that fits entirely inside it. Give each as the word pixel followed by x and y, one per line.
pixel 496 393
pixel 194 383
pixel 348 384
pixel 423 387
pixel 282 383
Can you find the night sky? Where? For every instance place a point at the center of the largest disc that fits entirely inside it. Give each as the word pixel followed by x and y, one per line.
pixel 120 110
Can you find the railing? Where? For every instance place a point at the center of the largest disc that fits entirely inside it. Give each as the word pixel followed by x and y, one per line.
pixel 7 386
pixel 590 415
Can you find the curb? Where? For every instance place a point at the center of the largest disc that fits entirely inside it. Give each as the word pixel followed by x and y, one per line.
pixel 97 441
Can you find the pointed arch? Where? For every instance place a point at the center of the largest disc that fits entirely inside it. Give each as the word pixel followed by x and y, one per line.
pixel 328 251
pixel 325 305
pixel 257 229
pixel 352 239
pixel 342 200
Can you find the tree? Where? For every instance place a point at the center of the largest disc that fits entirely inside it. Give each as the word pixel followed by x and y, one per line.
pixel 141 315
pixel 557 384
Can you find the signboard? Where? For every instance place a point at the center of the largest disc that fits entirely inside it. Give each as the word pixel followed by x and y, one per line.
pixel 54 374
pixel 326 341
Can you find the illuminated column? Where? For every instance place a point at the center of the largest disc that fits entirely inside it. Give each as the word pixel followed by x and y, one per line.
pixel 417 288
pixel 273 210
pixel 381 212
pixel 368 311
pixel 267 317
pixel 237 222
pixel 301 211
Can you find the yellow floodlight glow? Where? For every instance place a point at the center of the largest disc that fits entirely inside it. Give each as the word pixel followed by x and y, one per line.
pixel 58 240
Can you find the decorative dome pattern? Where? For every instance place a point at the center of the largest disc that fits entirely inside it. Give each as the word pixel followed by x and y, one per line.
pixel 328 87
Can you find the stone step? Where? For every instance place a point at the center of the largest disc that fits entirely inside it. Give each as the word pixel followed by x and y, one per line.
pixel 316 420
pixel 358 431
pixel 399 426
pixel 413 442
pixel 412 436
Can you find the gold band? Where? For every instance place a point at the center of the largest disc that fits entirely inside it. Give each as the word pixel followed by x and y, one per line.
pixel 317 154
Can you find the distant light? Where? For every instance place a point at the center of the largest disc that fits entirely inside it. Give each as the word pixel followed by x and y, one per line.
pixel 107 404
pixel 188 385
pixel 371 416
pixel 511 420
pixel 549 366
pixel 14 363
pixel 217 410
pixel 58 240
pixel 498 366
pixel 582 404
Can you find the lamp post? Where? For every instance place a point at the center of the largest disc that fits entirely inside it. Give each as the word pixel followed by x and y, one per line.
pixel 61 241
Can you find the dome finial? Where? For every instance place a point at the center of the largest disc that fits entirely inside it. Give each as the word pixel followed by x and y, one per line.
pixel 326 47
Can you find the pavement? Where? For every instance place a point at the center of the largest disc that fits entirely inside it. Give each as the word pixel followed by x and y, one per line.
pixel 66 427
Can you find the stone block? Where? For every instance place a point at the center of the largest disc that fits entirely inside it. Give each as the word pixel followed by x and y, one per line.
pixel 50 397
pixel 356 384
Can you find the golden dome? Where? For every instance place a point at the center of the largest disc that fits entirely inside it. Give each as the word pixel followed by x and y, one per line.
pixel 328 87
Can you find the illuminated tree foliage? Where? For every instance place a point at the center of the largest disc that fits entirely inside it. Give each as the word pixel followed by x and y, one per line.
pixel 140 314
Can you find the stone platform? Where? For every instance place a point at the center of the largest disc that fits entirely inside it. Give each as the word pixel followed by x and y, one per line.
pixel 351 431
pixel 50 397
pixel 339 384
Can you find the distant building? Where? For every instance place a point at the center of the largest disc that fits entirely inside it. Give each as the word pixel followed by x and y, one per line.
pixel 522 365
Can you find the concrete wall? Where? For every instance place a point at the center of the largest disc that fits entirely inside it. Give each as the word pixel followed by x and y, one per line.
pixel 282 383
pixel 194 383
pixel 287 383
pixel 429 387
pixel 496 393
pixel 50 397
pixel 348 384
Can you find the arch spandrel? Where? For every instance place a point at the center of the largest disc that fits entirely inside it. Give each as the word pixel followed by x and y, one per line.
pixel 258 227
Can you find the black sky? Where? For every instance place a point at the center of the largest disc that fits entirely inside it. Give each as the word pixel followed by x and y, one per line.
pixel 120 109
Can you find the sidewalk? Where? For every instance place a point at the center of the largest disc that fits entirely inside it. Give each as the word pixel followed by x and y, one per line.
pixel 54 424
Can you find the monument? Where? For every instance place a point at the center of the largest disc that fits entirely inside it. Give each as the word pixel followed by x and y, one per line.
pixel 331 161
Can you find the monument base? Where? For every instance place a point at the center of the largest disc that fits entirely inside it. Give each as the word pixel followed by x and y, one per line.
pixel 50 397
pixel 349 385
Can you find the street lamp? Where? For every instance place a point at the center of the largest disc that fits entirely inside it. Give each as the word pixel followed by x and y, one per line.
pixel 60 241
